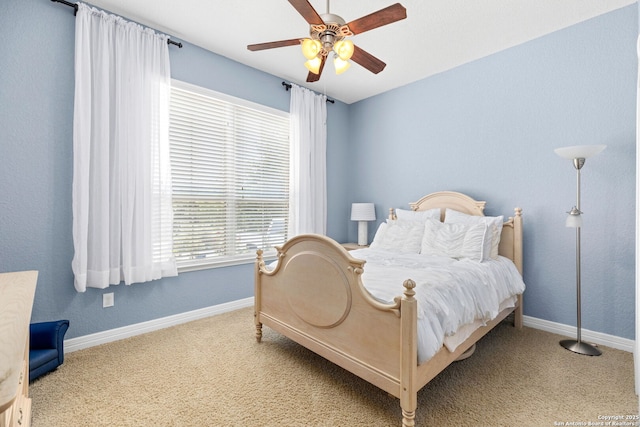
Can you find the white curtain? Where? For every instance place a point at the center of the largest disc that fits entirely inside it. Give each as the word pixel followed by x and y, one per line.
pixel 122 214
pixel 308 169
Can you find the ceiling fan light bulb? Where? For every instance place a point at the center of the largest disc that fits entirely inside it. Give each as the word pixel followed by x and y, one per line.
pixel 341 65
pixel 344 49
pixel 310 48
pixel 313 65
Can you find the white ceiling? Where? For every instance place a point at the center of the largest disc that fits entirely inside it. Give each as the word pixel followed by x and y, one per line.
pixel 436 36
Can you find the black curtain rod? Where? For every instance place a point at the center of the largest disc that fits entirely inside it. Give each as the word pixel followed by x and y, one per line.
pixel 73 5
pixel 287 86
pixel 75 12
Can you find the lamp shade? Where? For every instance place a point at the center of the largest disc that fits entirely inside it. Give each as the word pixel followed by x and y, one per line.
pixel 579 151
pixel 344 49
pixel 313 65
pixel 363 212
pixel 574 219
pixel 340 65
pixel 311 48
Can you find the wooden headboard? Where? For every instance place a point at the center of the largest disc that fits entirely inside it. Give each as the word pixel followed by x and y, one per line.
pixel 511 238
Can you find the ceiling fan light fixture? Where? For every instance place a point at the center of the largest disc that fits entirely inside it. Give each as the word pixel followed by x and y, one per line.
pixel 313 65
pixel 344 49
pixel 311 48
pixel 340 65
pixel 326 35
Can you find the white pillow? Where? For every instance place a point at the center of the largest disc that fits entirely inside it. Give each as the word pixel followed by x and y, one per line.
pixel 421 216
pixel 454 240
pixel 399 236
pixel 494 228
pixel 377 238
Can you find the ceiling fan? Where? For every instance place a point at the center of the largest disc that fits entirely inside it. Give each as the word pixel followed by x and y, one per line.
pixel 329 32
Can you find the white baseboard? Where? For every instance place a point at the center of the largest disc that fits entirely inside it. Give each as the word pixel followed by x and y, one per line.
pixel 86 341
pixel 587 335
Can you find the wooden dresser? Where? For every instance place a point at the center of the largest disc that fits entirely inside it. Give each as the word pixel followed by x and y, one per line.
pixel 16 301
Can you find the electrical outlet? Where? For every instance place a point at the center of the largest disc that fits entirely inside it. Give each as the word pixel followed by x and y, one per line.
pixel 107 300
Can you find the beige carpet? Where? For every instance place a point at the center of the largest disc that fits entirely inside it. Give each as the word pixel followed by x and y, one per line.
pixel 211 372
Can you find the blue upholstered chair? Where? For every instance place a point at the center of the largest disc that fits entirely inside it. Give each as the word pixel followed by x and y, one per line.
pixel 46 350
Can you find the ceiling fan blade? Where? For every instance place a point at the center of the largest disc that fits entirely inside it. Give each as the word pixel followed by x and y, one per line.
pixel 367 60
pixel 271 45
pixel 307 11
pixel 385 16
pixel 311 77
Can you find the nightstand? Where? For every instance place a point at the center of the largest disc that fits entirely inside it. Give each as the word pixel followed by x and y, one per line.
pixel 352 246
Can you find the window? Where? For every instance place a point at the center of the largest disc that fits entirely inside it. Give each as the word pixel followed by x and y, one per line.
pixel 230 176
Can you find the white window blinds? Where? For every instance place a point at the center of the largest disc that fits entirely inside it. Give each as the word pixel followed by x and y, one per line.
pixel 230 175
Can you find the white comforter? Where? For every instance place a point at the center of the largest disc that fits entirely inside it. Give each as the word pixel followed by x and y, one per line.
pixel 451 294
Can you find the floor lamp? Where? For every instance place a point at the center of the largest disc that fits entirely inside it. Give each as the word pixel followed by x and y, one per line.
pixel 578 153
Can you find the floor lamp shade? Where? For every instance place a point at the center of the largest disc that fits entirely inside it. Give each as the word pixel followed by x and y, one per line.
pixel 363 212
pixel 578 153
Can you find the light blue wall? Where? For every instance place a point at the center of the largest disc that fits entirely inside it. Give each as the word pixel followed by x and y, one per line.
pixel 36 100
pixel 489 128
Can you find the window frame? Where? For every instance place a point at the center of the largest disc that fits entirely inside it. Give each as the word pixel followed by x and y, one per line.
pixel 227 260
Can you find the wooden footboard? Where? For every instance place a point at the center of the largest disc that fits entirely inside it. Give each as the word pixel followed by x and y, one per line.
pixel 315 297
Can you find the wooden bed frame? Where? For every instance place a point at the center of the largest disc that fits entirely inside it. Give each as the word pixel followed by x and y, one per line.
pixel 315 297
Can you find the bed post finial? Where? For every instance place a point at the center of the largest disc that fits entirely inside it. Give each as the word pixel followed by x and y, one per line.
pixel 409 285
pixel 392 214
pixel 259 261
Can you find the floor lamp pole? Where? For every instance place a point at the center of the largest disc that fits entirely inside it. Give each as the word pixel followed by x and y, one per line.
pixel 578 292
pixel 577 346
